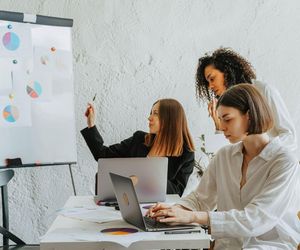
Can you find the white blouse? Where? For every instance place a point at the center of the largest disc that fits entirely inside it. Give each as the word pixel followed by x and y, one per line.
pixel 263 214
pixel 283 126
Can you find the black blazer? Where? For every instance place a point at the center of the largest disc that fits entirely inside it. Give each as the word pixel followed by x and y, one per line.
pixel 179 168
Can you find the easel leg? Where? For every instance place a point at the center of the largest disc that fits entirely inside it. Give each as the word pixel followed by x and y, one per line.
pixel 72 179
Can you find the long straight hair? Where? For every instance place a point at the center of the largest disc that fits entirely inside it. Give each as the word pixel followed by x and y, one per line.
pixel 173 134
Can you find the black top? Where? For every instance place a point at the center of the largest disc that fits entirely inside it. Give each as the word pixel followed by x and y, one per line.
pixel 179 168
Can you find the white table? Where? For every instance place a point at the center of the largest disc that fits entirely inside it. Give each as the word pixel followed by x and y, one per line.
pixel 71 233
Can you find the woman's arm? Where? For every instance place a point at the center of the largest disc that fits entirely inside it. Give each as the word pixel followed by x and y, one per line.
pixel 95 143
pixel 179 172
pixel 284 126
pixel 204 197
pixel 193 208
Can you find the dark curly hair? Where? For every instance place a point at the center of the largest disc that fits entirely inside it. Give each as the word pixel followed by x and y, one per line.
pixel 236 69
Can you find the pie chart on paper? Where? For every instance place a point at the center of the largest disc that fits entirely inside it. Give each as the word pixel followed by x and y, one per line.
pixel 11 41
pixel 11 113
pixel 119 231
pixel 34 89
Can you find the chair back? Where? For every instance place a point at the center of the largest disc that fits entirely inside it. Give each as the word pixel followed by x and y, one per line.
pixel 5 177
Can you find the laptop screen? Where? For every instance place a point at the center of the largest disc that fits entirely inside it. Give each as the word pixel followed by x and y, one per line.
pixel 148 174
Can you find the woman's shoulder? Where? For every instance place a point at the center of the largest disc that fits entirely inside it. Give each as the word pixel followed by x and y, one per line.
pixel 283 162
pixel 265 89
pixel 139 135
pixel 281 154
pixel 187 152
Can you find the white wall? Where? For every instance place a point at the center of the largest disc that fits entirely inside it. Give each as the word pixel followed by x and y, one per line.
pixel 133 52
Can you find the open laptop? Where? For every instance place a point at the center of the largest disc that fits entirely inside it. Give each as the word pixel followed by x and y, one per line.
pixel 150 177
pixel 130 208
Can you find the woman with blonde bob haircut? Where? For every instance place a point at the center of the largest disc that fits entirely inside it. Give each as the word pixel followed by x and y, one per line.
pixel 252 183
pixel 168 136
pixel 247 101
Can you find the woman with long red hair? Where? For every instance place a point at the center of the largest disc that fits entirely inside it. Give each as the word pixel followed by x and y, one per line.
pixel 168 136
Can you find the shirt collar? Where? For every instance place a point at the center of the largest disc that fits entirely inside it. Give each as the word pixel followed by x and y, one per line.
pixel 267 153
pixel 237 148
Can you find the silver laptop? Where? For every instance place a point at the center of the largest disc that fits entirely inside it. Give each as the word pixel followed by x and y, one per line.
pixel 149 175
pixel 130 209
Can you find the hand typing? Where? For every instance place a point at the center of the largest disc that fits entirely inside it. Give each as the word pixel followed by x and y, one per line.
pixel 173 215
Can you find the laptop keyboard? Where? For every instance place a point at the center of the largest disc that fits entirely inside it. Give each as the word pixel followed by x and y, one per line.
pixel 151 223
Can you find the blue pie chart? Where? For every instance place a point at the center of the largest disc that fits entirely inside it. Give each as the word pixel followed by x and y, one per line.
pixel 11 41
pixel 11 113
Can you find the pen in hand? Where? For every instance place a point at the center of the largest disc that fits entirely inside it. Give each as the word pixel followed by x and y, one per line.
pixel 87 112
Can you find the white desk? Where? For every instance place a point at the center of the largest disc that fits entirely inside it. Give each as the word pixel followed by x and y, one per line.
pixel 70 233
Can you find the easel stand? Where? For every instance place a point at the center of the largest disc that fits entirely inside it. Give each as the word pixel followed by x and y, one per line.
pixel 72 179
pixel 44 165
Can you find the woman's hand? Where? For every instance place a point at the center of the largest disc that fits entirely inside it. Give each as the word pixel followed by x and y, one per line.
pixel 90 114
pixel 173 215
pixel 213 112
pixel 158 206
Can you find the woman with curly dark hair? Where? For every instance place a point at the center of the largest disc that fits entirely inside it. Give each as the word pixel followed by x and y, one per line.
pixel 224 68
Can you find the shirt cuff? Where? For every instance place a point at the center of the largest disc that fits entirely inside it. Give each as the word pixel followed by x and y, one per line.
pixel 217 223
pixel 186 205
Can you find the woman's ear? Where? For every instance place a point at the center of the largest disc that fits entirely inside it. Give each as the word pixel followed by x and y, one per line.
pixel 248 115
pixel 248 118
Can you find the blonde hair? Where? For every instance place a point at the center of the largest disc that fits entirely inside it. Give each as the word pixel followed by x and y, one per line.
pixel 246 98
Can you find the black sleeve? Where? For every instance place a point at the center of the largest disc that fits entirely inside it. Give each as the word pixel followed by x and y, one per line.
pixel 95 143
pixel 180 170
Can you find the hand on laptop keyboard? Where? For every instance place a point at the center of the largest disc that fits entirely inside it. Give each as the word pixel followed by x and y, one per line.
pixel 176 215
pixel 157 207
pixel 152 223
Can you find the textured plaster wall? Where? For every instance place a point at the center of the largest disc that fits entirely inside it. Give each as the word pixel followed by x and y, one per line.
pixel 133 52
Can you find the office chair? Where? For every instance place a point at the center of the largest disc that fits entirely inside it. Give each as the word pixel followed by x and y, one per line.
pixel 5 177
